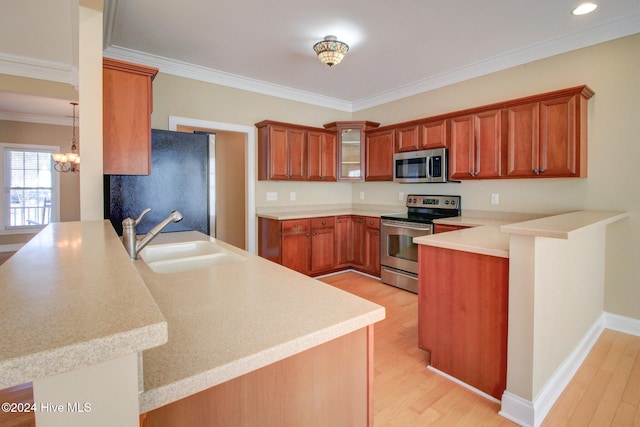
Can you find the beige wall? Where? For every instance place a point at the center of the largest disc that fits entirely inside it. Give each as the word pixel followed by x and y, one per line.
pixel 611 69
pixel 54 135
pixel 177 96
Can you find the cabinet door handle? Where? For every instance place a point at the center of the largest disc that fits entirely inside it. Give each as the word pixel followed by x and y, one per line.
pixel 313 234
pixel 324 222
pixel 306 234
pixel 541 170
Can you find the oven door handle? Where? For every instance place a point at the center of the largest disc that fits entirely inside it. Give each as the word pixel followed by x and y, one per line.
pixel 406 227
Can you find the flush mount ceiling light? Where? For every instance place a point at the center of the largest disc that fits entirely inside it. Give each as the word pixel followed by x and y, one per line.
pixel 68 162
pixel 330 50
pixel 584 8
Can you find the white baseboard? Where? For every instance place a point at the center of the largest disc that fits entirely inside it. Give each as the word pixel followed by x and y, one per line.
pixel 516 409
pixel 531 414
pixel 622 324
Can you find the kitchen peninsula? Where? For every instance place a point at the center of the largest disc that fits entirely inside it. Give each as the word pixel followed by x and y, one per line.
pixel 252 328
pixel 542 280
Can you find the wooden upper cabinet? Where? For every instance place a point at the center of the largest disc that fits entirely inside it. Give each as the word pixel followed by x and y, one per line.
pixel 562 129
pixel 523 146
pixel 407 138
pixel 297 142
pixel 379 147
pixel 322 156
pixel 127 98
pixel 350 148
pixel 548 137
pixel 434 134
pixel 476 146
pixel 282 152
pixel 422 136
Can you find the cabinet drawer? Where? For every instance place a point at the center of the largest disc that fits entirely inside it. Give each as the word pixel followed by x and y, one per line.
pixel 372 222
pixel 323 222
pixel 295 226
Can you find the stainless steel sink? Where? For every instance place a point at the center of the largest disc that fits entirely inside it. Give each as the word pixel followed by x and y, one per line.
pixel 186 256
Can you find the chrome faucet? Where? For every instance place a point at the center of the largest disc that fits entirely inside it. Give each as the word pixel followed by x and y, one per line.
pixel 132 244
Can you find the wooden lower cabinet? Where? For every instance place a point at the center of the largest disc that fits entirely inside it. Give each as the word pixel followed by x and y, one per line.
pixel 357 227
pixel 316 246
pixel 371 256
pixel 323 244
pixel 327 385
pixel 463 315
pixel 295 245
pixel 344 241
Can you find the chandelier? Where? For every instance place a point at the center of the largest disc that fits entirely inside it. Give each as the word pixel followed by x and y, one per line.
pixel 330 50
pixel 68 162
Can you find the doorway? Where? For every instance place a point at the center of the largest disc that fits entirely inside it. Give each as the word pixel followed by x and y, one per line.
pixel 232 191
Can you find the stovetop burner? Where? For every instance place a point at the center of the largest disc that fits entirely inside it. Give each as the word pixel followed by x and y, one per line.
pixel 424 209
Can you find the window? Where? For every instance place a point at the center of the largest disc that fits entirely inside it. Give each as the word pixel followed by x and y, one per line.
pixel 30 186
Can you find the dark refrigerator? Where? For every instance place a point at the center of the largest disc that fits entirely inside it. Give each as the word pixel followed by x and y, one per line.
pixel 179 180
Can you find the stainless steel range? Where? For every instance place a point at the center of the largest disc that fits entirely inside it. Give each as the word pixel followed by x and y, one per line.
pixel 398 253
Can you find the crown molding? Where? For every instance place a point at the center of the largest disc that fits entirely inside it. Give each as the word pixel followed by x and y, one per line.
pixel 622 27
pixel 33 68
pixel 35 118
pixel 196 72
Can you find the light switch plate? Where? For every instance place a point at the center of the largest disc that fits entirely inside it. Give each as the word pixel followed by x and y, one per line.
pixel 272 196
pixel 292 195
pixel 362 195
pixel 495 198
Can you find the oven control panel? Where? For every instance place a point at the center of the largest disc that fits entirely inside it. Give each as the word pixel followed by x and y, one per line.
pixel 440 202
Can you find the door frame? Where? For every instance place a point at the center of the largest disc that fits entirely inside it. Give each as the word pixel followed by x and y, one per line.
pixel 250 167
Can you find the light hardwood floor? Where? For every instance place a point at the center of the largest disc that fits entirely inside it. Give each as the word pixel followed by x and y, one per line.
pixel 604 392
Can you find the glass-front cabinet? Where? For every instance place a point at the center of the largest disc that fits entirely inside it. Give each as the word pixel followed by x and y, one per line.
pixel 351 150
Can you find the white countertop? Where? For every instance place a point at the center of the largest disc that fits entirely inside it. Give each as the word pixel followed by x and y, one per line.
pixel 485 240
pixel 232 319
pixel 285 213
pixel 71 298
pixel 563 226
pixel 488 236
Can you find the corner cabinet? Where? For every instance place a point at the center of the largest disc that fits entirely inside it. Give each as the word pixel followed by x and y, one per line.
pixel 127 106
pixel 351 151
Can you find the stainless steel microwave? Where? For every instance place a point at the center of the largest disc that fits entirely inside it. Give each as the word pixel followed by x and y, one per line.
pixel 421 166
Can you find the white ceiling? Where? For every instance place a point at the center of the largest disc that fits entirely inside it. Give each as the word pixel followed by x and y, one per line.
pixel 398 48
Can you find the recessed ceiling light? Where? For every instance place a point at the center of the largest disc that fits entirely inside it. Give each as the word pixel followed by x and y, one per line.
pixel 584 8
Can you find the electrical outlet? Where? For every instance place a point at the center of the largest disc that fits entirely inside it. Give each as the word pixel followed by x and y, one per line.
pixel 401 196
pixel 362 195
pixel 495 198
pixel 272 196
pixel 292 195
